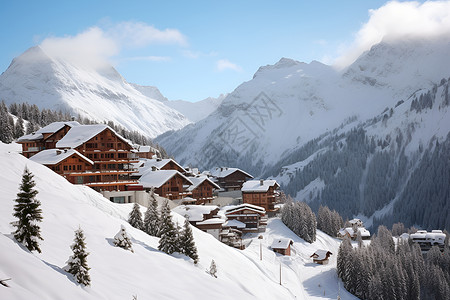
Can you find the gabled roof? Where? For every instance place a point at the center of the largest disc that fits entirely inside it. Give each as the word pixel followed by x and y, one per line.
pixel 256 186
pixel 321 254
pixel 281 243
pixel 145 149
pixel 50 128
pixel 158 178
pixel 160 163
pixel 248 206
pixel 83 133
pixel 196 181
pixel 194 212
pixel 55 156
pixel 211 221
pixel 224 172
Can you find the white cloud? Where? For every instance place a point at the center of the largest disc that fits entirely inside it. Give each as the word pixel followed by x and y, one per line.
pixel 225 64
pixel 396 20
pixel 96 46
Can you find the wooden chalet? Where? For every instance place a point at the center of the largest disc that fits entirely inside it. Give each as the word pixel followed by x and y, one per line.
pixel 230 179
pixel 352 233
pixel 169 184
pixel 321 257
pixel 254 217
pixel 282 246
pixel 164 164
pixel 66 163
pixel 202 189
pixel 204 217
pixel 44 138
pixel 260 193
pixel 146 152
pixel 111 154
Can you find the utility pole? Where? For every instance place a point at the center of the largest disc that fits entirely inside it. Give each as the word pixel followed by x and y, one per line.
pixel 280 272
pixel 260 246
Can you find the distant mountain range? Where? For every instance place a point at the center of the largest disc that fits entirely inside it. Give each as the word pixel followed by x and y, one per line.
pixel 99 94
pixel 352 139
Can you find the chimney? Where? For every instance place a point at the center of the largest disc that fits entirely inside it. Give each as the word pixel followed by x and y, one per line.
pixel 158 159
pixel 65 150
pixel 261 182
pixel 58 152
pixel 153 168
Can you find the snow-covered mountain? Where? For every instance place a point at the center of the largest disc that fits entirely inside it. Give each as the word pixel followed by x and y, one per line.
pixel 99 93
pixel 277 119
pixel 196 111
pixel 147 272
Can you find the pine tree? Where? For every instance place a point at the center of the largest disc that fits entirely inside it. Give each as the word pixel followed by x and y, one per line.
pixel 151 218
pixel 168 240
pixel 212 269
pixel 77 263
pixel 187 242
pixel 123 240
pixel 28 212
pixel 135 217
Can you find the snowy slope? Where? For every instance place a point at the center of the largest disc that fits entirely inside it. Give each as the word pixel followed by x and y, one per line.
pixel 147 273
pixel 99 93
pixel 290 103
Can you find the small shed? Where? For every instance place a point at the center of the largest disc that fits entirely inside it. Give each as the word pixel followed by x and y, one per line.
pixel 321 257
pixel 282 246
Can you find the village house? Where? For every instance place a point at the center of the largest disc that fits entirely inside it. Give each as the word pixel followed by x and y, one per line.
pixel 356 223
pixel 254 217
pixel 169 184
pixel 282 246
pixel 202 189
pixel 44 138
pixel 110 153
pixel 321 257
pixel 260 193
pixel 230 179
pixel 204 217
pixel 146 152
pixel 352 234
pixel 231 234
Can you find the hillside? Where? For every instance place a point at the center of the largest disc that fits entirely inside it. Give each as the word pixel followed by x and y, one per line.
pixel 147 273
pixel 196 111
pixel 98 93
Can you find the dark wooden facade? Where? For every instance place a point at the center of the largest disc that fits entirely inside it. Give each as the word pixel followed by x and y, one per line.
pixel 253 218
pixel 203 193
pixel 263 199
pixel 173 188
pixel 234 181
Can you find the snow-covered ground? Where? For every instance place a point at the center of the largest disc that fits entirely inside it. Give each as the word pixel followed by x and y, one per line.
pixel 147 273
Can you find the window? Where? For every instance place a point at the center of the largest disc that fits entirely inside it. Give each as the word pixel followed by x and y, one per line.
pixel 65 168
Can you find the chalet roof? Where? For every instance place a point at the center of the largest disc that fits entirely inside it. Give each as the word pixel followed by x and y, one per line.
pixel 235 223
pixel 50 128
pixel 224 172
pixel 350 231
pixel 321 254
pixel 194 212
pixel 211 221
pixel 281 243
pixel 158 178
pixel 248 206
pixel 196 181
pixel 355 221
pixel 54 156
pixel 160 163
pixel 146 149
pixel 259 185
pixel 81 134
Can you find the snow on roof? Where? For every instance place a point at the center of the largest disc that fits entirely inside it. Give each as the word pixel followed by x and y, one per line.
pixel 196 181
pixel 321 254
pixel 83 133
pixel 256 186
pixel 211 221
pixel 54 156
pixel 281 243
pixel 50 128
pixel 145 149
pixel 364 232
pixel 235 223
pixel 194 212
pixel 158 178
pixel 258 209
pixel 160 163
pixel 224 172
pixel 355 221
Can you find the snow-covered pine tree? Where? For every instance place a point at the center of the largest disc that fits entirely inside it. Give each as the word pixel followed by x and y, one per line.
pixel 77 263
pixel 212 269
pixel 151 218
pixel 168 240
pixel 187 242
pixel 123 240
pixel 28 212
pixel 135 217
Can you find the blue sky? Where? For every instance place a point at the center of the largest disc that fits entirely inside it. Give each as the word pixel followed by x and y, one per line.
pixel 190 50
